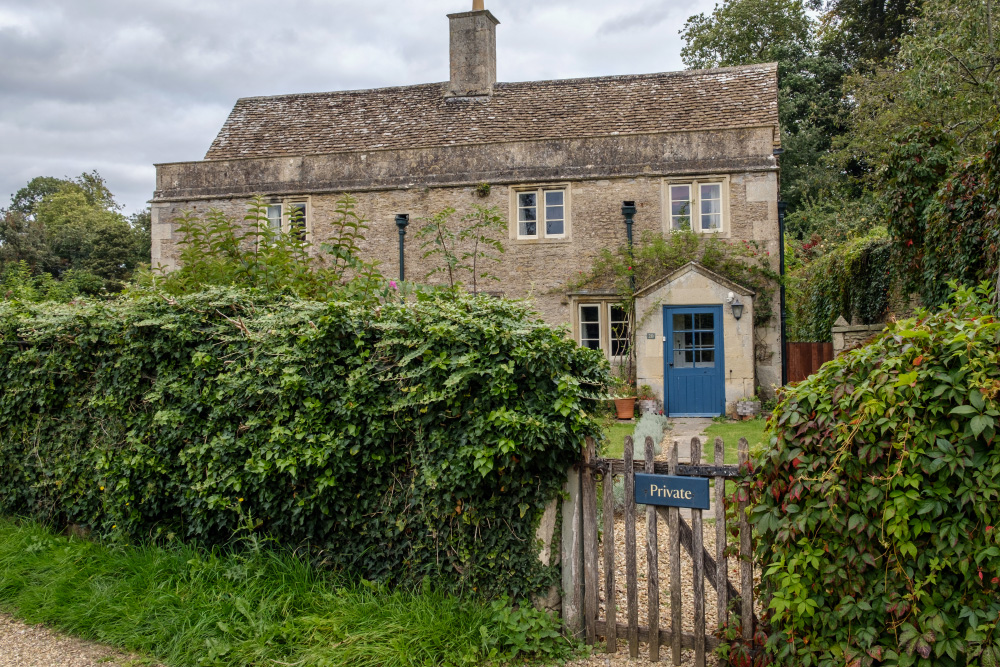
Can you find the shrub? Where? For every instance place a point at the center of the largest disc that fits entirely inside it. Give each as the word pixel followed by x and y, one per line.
pixel 652 425
pixel 394 442
pixel 219 250
pixel 854 281
pixel 878 520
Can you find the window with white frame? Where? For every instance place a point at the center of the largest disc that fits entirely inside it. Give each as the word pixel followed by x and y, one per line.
pixel 541 213
pixel 274 217
pixel 604 326
pixel 619 331
pixel 590 325
pixel 289 217
pixel 699 205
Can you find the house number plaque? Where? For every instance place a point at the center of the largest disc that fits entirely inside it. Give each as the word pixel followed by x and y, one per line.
pixel 672 491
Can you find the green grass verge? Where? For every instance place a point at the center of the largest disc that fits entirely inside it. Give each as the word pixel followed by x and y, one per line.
pixel 731 432
pixel 188 606
pixel 614 447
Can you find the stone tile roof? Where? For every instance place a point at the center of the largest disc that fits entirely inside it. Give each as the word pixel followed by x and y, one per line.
pixel 420 116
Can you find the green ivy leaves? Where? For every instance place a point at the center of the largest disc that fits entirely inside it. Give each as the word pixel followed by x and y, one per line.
pixel 877 510
pixel 379 437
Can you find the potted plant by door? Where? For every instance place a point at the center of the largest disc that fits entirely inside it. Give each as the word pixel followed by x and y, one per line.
pixel 623 394
pixel 647 400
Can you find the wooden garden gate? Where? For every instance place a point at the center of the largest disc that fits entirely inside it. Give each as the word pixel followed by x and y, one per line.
pixel 669 633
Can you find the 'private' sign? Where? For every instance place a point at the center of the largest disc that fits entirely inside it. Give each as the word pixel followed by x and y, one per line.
pixel 672 491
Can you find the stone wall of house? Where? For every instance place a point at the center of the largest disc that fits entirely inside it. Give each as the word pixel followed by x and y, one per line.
pixel 597 173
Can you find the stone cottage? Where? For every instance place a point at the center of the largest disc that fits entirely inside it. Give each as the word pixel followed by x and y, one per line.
pixel 560 158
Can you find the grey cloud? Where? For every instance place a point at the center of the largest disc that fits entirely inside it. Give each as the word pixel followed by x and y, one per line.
pixel 118 85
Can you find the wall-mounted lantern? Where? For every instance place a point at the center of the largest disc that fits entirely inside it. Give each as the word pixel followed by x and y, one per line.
pixel 402 220
pixel 737 308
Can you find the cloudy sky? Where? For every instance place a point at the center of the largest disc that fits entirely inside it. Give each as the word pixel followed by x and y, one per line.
pixel 118 85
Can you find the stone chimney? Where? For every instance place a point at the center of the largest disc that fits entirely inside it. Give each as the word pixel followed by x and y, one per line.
pixel 473 52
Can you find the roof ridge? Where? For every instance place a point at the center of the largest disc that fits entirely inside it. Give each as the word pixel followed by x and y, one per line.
pixel 760 67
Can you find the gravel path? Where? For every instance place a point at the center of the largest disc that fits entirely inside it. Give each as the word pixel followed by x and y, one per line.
pixel 23 645
pixel 601 659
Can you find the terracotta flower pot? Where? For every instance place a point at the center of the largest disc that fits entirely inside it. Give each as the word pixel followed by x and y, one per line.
pixel 625 407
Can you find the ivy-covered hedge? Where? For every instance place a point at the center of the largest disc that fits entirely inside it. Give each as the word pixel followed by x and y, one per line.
pixel 879 510
pixel 854 281
pixel 395 441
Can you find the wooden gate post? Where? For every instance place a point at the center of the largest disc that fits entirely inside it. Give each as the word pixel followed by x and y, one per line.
pixel 572 555
pixel 589 496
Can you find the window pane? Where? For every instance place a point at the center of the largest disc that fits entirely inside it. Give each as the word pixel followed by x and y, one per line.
pixel 706 339
pixel 527 214
pixel 554 198
pixel 554 213
pixel 297 220
pixel 554 227
pixel 590 326
pixel 706 359
pixel 683 322
pixel 590 314
pixel 619 332
pixel 274 217
pixel 704 321
pixel 711 191
pixel 711 206
pixel 680 206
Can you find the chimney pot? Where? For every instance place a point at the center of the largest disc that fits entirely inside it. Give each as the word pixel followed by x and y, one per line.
pixel 478 5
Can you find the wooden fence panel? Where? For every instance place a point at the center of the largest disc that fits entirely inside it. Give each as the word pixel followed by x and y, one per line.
pixel 609 563
pixel 804 359
pixel 674 558
pixel 721 571
pixel 589 500
pixel 631 581
pixel 679 535
pixel 746 553
pixel 698 569
pixel 652 569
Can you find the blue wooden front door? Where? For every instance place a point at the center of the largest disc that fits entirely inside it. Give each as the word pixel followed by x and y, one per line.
pixel 693 359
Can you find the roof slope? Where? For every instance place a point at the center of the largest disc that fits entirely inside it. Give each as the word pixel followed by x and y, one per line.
pixel 419 116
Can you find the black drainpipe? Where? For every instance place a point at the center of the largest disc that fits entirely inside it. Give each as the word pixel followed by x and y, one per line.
pixel 402 220
pixel 781 270
pixel 628 211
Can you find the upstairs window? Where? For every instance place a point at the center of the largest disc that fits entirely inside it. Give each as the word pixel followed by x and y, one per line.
pixel 541 213
pixel 699 205
pixel 289 217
